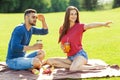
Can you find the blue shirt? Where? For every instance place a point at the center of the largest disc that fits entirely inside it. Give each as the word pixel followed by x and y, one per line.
pixel 21 37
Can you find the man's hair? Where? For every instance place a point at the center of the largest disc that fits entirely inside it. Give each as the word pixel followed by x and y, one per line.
pixel 28 11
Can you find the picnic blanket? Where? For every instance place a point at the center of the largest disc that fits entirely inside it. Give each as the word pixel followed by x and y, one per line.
pixel 61 73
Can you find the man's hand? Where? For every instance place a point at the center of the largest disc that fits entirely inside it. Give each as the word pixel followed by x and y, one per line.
pixel 41 17
pixel 38 46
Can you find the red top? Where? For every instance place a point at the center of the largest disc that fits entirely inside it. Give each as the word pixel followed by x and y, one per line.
pixel 74 37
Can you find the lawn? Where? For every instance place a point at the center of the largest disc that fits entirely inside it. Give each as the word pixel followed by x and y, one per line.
pixel 100 43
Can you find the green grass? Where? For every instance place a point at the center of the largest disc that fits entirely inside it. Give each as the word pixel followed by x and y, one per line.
pixel 101 43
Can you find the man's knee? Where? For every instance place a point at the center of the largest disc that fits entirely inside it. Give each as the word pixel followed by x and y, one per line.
pixel 41 54
pixel 36 63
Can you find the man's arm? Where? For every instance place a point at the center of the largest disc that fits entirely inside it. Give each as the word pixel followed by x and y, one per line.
pixel 42 19
pixel 96 24
pixel 33 47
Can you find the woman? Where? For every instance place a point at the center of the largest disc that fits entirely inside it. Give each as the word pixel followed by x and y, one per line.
pixel 71 32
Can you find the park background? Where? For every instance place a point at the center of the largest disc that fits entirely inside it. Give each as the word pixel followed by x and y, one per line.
pixel 100 43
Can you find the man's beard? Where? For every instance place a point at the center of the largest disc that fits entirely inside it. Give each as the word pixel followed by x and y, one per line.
pixel 32 24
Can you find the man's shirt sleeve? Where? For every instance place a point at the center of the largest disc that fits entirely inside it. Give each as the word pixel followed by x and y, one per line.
pixel 16 41
pixel 39 31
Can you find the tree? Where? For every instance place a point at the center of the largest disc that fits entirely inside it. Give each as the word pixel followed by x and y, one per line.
pixel 21 5
pixel 116 3
pixel 43 5
pixel 59 5
pixel 8 5
pixel 90 4
pixel 39 5
pixel 76 3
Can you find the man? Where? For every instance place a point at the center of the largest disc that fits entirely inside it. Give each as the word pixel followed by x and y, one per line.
pixel 17 58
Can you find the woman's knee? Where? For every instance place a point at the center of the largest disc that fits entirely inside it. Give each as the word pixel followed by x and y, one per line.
pixel 73 68
pixel 78 63
pixel 76 68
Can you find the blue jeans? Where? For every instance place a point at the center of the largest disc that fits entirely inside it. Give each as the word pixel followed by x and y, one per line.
pixel 22 63
pixel 80 53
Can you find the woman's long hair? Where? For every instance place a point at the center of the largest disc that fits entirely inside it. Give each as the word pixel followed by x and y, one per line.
pixel 66 24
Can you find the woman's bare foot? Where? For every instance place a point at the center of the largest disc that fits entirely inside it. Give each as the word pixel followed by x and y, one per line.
pixel 98 67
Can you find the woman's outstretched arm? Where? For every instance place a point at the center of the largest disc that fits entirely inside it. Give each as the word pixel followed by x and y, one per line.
pixel 97 24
